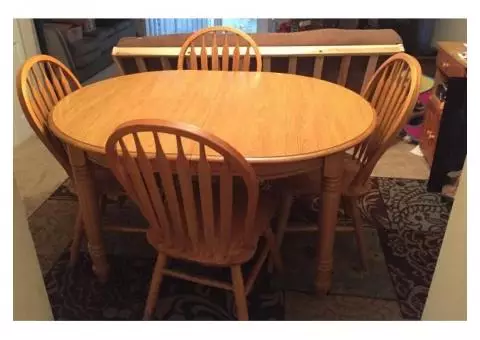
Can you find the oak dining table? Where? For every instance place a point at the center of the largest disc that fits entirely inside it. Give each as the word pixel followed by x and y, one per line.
pixel 283 124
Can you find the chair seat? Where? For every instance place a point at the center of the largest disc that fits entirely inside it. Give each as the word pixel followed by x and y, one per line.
pixel 311 183
pixel 105 182
pixel 243 246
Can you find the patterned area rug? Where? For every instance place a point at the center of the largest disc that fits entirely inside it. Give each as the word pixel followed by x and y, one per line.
pixel 411 238
pixel 77 295
pixel 403 226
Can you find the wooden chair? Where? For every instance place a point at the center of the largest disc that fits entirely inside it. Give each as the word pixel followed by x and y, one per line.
pixel 42 82
pixel 241 53
pixel 392 91
pixel 192 218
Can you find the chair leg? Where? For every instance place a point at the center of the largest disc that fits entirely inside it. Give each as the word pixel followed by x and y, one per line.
pixel 285 207
pixel 121 200
pixel 357 224
pixel 102 203
pixel 78 233
pixel 239 292
pixel 346 207
pixel 157 277
pixel 274 250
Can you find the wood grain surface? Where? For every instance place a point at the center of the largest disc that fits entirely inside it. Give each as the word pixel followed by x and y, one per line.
pixel 267 117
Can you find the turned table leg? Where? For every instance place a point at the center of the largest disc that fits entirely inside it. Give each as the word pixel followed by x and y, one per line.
pixel 88 200
pixel 327 220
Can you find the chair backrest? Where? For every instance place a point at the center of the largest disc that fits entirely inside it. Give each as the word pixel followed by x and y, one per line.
pixel 42 82
pixel 351 66
pixel 218 38
pixel 185 181
pixel 393 92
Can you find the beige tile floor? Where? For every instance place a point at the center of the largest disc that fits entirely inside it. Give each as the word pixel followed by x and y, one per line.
pixel 38 174
pixel 36 171
pixel 399 162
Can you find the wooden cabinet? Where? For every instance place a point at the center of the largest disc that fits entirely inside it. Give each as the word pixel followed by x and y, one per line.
pixel 430 131
pixel 449 65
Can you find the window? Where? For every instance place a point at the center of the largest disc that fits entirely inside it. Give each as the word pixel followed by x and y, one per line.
pixel 178 26
pixel 174 26
pixel 246 25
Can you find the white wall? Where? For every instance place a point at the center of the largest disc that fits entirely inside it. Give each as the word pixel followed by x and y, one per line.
pixel 447 297
pixel 30 300
pixel 25 45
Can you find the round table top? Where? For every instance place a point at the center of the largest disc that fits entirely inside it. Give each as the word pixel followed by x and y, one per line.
pixel 265 116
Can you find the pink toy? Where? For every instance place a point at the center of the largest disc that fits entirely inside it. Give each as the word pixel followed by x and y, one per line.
pixel 424 97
